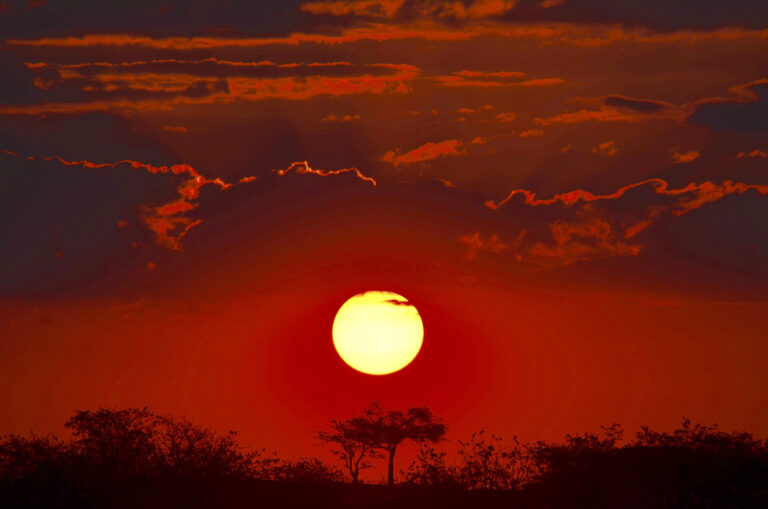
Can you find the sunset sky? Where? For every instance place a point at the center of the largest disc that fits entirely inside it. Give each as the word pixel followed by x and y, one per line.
pixel 572 193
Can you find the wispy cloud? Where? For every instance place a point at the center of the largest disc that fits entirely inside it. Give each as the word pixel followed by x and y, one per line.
pixel 303 168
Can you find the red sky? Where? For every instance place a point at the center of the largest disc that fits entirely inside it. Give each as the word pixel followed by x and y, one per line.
pixel 572 193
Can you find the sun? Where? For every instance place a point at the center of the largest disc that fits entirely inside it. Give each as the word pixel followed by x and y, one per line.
pixel 377 332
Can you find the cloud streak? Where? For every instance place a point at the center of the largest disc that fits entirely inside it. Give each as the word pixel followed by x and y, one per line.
pixel 567 34
pixel 146 86
pixel 483 80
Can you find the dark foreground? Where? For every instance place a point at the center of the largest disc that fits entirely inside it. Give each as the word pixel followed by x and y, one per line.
pixel 234 494
pixel 134 458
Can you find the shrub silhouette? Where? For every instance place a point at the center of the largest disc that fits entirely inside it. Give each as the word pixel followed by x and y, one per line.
pixel 488 463
pixel 304 470
pixel 429 468
pixel 484 463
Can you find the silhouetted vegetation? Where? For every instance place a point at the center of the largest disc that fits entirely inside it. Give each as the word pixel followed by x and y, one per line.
pixel 136 458
pixel 485 463
pixel 350 443
pixel 695 466
pixel 377 429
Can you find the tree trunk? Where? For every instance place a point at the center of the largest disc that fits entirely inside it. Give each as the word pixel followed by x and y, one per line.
pixel 391 468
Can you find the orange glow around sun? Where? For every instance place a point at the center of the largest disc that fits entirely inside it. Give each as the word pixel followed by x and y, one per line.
pixel 377 332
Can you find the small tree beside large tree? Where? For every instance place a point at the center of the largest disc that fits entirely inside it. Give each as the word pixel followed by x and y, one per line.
pixel 351 445
pixel 382 430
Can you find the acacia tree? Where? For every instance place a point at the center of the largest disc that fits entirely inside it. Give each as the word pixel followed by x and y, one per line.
pixel 381 430
pixel 351 445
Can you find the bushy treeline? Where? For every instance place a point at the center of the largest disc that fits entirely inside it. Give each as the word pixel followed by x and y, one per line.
pixel 139 443
pixel 694 466
pixel 128 449
pixel 125 458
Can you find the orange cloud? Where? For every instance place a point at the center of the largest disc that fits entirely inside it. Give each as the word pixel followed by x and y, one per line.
pixel 476 243
pixel 176 129
pixel 303 168
pixel 532 133
pixel 685 157
pixel 609 114
pixel 608 148
pixel 388 9
pixel 360 8
pixel 340 118
pixel 220 90
pixel 425 152
pixel 491 74
pixel 692 195
pixel 548 4
pixel 474 10
pixel 460 79
pixel 506 117
pixel 254 89
pixel 211 65
pixel 757 153
pixel 580 241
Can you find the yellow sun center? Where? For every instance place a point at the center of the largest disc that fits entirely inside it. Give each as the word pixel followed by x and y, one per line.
pixel 378 332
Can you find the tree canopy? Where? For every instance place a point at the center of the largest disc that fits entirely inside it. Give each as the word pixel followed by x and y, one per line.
pixel 376 429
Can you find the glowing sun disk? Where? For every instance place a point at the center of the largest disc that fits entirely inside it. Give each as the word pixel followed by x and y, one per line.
pixel 377 332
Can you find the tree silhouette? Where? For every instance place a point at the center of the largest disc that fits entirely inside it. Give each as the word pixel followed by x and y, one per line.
pixel 382 430
pixel 115 441
pixel 139 442
pixel 185 448
pixel 351 445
